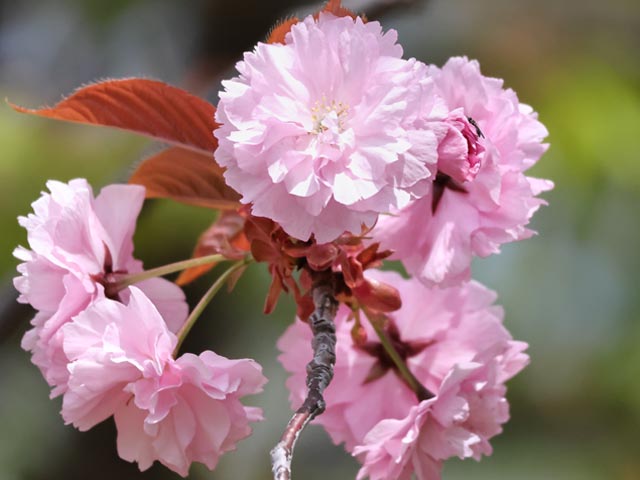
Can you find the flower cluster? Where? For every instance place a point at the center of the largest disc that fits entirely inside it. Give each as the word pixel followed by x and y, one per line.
pixel 78 244
pixel 109 351
pixel 453 341
pixel 335 125
pixel 345 155
pixel 444 353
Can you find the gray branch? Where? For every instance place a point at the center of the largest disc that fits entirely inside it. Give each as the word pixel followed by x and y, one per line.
pixel 319 373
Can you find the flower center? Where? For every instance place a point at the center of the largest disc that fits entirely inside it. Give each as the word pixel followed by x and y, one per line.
pixel 329 116
pixel 108 278
pixel 384 362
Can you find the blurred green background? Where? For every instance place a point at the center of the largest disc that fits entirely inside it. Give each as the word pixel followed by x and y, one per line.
pixel 571 292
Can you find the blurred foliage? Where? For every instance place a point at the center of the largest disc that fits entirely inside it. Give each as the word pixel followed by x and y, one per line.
pixel 572 292
pixel 593 114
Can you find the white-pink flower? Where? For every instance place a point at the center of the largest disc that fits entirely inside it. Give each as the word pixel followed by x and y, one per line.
pixel 76 242
pixel 454 343
pixel 174 411
pixel 481 197
pixel 323 133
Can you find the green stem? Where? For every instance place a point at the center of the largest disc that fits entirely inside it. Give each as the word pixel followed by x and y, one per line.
pixel 134 278
pixel 405 374
pixel 204 301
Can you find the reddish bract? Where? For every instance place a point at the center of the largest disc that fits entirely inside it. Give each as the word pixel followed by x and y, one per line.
pixel 226 237
pixel 280 30
pixel 346 257
pixel 268 242
pixel 335 7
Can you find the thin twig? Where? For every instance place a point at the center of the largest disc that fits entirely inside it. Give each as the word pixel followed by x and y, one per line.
pixel 133 278
pixel 319 373
pixel 204 301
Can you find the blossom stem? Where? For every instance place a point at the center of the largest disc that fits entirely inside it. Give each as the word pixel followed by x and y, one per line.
pixel 405 374
pixel 134 278
pixel 205 300
pixel 319 373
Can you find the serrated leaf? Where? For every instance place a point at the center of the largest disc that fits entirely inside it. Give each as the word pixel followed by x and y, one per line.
pixel 147 107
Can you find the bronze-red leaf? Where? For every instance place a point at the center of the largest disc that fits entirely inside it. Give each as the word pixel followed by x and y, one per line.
pixel 186 176
pixel 147 107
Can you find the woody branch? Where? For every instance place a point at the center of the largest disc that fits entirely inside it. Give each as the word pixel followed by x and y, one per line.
pixel 319 373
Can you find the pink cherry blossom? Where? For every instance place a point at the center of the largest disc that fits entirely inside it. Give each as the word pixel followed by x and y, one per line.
pixel 390 450
pixel 467 411
pixel 191 413
pixel 76 242
pixel 174 411
pixel 324 132
pixel 481 197
pixel 108 346
pixel 454 343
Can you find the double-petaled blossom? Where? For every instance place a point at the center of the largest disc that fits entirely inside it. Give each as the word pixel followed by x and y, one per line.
pixel 455 345
pixel 175 411
pixel 481 197
pixel 110 345
pixel 192 413
pixel 326 131
pixel 468 410
pixel 78 244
